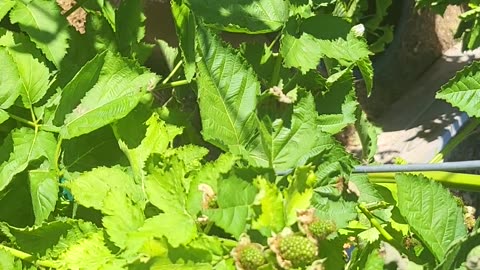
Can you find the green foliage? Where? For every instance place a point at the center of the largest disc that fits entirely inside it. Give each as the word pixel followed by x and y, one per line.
pixel 105 164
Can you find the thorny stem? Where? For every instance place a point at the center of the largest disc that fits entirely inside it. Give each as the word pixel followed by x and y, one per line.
pixel 28 257
pixel 174 70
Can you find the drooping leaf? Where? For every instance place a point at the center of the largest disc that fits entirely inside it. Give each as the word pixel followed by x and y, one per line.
pixel 431 211
pixel 368 134
pixel 298 194
pixel 463 91
pixel 185 26
pixel 24 145
pixel 242 16
pixel 227 93
pixel 44 191
pixel 45 25
pixel 272 217
pixel 235 199
pixel 118 90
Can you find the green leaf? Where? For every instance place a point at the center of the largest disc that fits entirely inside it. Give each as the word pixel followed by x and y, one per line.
pixel 10 84
pixel 431 211
pixel 50 238
pixel 185 26
pixel 24 145
pixel 165 189
pixel 177 228
pixel 366 68
pixel 227 93
pixel 157 138
pixel 104 181
pixel 97 148
pixel 340 211
pixel 346 51
pixel 118 90
pixel 285 143
pixel 5 7
pixel 7 261
pixel 368 134
pixel 21 74
pixel 44 191
pixel 338 106
pixel 272 217
pixel 298 194
pixel 458 251
pixel 242 16
pixel 90 253
pixel 45 25
pixel 208 174
pixel 235 198
pixel 463 91
pixel 299 50
pixel 122 215
pixel 83 81
pixel 129 20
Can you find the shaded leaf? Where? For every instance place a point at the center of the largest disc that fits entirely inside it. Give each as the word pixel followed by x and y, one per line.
pixel 24 145
pixel 242 16
pixel 45 25
pixel 185 27
pixel 44 191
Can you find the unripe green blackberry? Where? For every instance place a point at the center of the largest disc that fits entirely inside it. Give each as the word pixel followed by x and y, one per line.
pixel 322 228
pixel 299 250
pixel 251 257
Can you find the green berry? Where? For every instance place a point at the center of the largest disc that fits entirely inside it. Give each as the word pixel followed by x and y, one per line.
pixel 299 250
pixel 322 228
pixel 251 258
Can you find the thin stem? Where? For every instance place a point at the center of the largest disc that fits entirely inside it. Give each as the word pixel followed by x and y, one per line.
pixel 172 84
pixel 275 40
pixel 174 70
pixel 375 223
pixel 58 152
pixel 28 257
pixel 21 119
pixel 457 139
pixel 276 70
pixel 292 80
